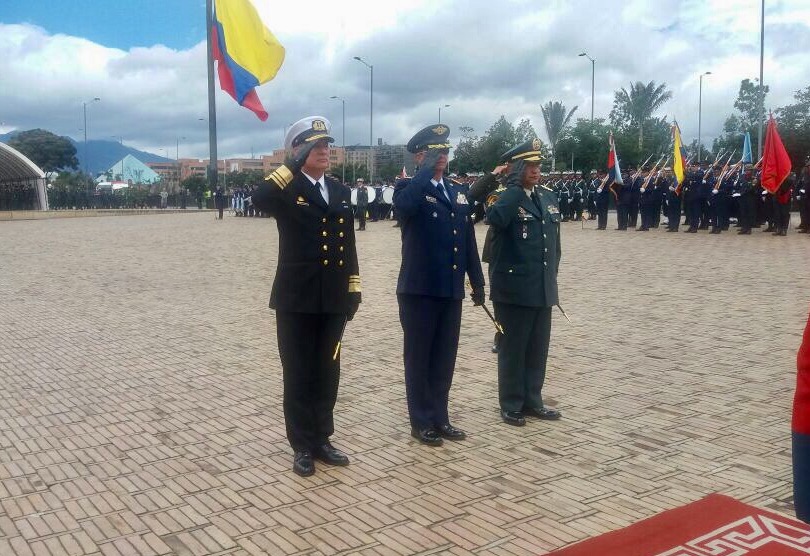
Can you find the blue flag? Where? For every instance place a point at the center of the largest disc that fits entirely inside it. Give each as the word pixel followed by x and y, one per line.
pixel 747 157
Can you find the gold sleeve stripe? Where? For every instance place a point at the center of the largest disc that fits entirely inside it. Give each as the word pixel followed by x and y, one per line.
pixel 354 283
pixel 281 177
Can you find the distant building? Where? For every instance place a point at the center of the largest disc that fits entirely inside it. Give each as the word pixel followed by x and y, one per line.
pixel 130 170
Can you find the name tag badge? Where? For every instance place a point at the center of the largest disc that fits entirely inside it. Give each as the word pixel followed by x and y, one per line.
pixel 301 201
pixel 430 199
pixel 461 199
pixel 553 209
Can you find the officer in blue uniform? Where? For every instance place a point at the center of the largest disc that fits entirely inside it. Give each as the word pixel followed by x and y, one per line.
pixel 316 288
pixel 602 200
pixel 526 254
pixel 438 249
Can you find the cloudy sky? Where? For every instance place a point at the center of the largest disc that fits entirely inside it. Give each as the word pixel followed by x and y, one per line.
pixel 485 58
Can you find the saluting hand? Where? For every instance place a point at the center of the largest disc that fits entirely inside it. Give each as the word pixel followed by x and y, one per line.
pixel 300 158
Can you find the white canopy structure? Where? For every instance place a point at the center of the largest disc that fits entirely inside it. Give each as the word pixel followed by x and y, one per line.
pixel 22 183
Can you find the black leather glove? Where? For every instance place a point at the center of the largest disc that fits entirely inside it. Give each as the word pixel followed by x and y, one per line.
pixel 352 310
pixel 298 160
pixel 478 297
pixel 515 176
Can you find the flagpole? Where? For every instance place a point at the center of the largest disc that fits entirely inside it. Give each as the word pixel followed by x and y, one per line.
pixel 212 109
pixel 761 83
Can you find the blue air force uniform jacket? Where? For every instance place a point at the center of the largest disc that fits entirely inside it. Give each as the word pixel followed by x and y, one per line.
pixel 317 257
pixel 527 249
pixel 438 239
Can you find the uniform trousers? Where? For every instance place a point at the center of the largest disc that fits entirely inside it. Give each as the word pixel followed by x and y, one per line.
pixel 694 208
pixel 632 215
pixel 801 475
pixel 431 328
pixel 747 211
pixel 622 215
pixel 522 355
pixel 782 215
pixel 602 216
pixel 361 217
pixel 719 208
pixel 306 344
pixel 673 212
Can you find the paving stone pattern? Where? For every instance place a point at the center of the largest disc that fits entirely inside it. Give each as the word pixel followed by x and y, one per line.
pixel 140 402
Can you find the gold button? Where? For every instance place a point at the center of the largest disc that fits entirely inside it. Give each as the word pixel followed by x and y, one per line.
pixel 454 232
pixel 341 234
pixel 325 262
pixel 454 267
pixel 545 263
pixel 455 249
pixel 546 249
pixel 510 270
pixel 324 220
pixel 325 247
pixel 323 233
pixel 544 235
pixel 340 263
pixel 341 221
pixel 341 249
pixel 452 215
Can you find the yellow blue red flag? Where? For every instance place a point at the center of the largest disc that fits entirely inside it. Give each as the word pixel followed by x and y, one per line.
pixel 679 156
pixel 246 51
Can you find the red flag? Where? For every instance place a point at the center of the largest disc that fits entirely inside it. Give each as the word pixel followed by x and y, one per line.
pixel 775 160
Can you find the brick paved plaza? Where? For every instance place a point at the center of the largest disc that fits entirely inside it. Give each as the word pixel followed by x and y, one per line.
pixel 140 402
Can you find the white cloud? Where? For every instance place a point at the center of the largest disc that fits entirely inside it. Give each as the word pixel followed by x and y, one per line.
pixel 483 58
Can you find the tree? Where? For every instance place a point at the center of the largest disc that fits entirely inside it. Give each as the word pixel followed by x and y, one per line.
pixel 556 119
pixel 48 151
pixel 746 119
pixel 794 127
pixel 588 142
pixel 195 184
pixel 636 106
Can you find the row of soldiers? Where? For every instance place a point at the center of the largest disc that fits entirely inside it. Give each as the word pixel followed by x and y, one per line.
pixel 708 197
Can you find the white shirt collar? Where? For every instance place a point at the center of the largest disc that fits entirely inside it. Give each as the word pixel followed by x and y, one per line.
pixel 436 183
pixel 313 180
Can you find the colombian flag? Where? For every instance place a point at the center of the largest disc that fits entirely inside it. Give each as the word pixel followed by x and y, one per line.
pixel 246 52
pixel 614 172
pixel 679 156
pixel 775 160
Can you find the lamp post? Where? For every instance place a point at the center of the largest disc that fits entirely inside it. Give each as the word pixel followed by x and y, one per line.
pixel 700 111
pixel 84 107
pixel 370 118
pixel 177 160
pixel 440 111
pixel 343 128
pixel 761 82
pixel 593 76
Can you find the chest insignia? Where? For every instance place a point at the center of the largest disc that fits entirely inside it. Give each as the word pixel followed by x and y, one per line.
pixel 553 209
pixel 461 199
pixel 430 199
pixel 301 201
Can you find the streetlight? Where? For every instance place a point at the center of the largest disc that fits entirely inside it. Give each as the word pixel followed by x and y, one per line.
pixel 440 111
pixel 370 118
pixel 177 159
pixel 593 76
pixel 700 110
pixel 343 102
pixel 84 107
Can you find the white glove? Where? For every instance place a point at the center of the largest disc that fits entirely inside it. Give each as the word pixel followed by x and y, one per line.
pixel 599 190
pixel 704 181
pixel 715 192
pixel 671 188
pixel 643 190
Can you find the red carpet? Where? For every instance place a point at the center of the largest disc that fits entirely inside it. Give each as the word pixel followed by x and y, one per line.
pixel 714 526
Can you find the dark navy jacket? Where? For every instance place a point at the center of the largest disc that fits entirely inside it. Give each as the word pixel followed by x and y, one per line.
pixel 706 186
pixel 438 239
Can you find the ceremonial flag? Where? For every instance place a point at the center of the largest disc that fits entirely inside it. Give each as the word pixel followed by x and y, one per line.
pixel 775 160
pixel 246 52
pixel 614 171
pixel 747 156
pixel 679 155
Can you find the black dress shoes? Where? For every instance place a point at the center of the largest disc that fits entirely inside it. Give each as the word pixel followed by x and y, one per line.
pixel 429 436
pixel 451 433
pixel 514 418
pixel 303 464
pixel 331 455
pixel 545 413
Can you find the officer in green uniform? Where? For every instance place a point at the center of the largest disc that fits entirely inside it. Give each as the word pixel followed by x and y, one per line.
pixel 525 257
